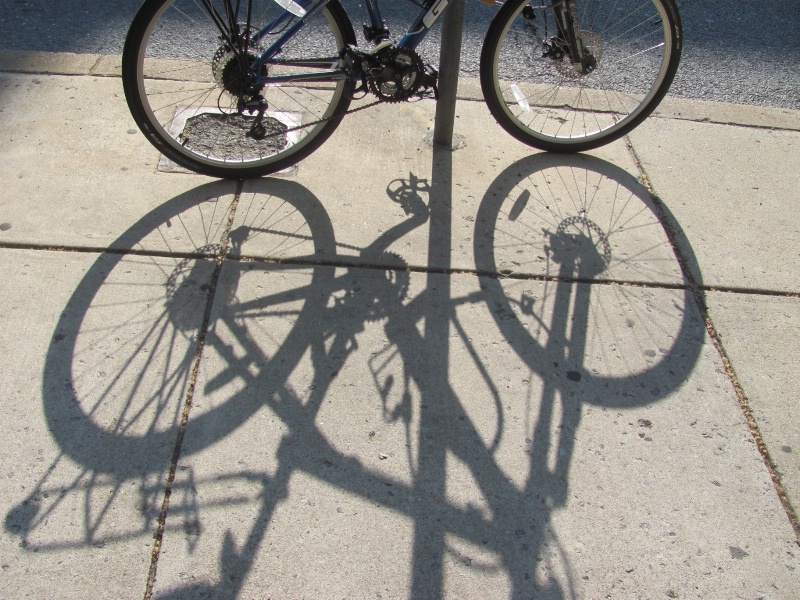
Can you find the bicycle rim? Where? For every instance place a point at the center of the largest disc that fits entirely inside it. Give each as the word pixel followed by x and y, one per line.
pixel 181 84
pixel 544 100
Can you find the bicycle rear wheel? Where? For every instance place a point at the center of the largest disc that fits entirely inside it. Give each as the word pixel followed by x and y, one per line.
pixel 184 84
pixel 538 96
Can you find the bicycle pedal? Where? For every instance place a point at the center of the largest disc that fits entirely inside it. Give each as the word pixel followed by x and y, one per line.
pixel 429 81
pixel 360 91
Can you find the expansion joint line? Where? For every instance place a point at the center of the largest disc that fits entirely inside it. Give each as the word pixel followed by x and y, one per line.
pixel 502 275
pixel 698 291
pixel 219 257
pixel 736 124
pixel 424 269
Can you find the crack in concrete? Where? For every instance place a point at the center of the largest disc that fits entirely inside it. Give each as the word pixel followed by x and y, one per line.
pixel 698 291
pixel 220 257
pixel 422 269
pixel 711 121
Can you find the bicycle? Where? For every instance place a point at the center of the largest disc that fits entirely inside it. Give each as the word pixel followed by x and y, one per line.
pixel 242 88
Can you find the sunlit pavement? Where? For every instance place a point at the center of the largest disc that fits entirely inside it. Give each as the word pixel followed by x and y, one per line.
pixel 397 371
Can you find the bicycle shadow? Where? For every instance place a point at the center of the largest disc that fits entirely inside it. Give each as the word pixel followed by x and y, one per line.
pixel 230 346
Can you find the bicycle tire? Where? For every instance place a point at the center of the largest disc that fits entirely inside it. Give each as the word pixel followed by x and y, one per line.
pixel 546 102
pixel 177 75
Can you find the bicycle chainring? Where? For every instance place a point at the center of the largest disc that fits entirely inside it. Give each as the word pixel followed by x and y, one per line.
pixel 395 74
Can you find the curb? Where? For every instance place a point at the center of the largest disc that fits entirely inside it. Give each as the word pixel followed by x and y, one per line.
pixel 63 63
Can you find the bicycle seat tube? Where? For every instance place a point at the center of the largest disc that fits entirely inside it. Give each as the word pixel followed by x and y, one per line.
pixel 376 32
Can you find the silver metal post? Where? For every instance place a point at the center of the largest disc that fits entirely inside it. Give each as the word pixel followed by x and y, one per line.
pixel 449 62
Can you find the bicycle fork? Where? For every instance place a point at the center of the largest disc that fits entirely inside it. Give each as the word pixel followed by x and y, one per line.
pixel 569 32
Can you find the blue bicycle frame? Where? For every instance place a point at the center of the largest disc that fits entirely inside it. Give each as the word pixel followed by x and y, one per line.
pixel 333 71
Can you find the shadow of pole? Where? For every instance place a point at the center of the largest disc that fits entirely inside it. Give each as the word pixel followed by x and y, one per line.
pixel 436 393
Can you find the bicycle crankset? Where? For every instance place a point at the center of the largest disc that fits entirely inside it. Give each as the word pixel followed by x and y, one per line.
pixel 395 74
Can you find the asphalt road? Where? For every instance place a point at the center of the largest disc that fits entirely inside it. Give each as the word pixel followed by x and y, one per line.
pixel 734 51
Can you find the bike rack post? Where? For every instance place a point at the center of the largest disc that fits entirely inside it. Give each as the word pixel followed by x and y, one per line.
pixel 449 63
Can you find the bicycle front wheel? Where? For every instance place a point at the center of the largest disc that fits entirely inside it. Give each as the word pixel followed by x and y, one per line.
pixel 185 71
pixel 539 96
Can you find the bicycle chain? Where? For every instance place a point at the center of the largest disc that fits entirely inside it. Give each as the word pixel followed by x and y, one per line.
pixel 347 112
pixel 333 116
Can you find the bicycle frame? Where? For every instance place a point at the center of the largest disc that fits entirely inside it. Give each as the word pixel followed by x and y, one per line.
pixel 332 70
pixel 331 67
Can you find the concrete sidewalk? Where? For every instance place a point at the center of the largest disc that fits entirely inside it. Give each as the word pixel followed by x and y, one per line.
pixel 398 371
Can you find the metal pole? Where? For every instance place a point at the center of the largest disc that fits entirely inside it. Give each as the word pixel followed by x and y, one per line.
pixel 449 62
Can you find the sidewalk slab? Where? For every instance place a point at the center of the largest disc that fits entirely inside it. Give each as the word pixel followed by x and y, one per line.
pixel 53 63
pixel 86 433
pixel 77 172
pixel 727 113
pixel 396 157
pixel 760 336
pixel 327 453
pixel 366 402
pixel 733 191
